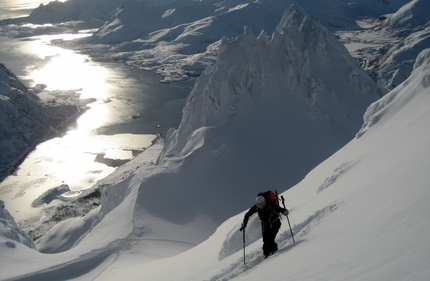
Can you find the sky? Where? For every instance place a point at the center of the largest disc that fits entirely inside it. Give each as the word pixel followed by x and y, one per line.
pixel 358 212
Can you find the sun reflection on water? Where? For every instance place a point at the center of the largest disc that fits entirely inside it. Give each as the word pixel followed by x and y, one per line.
pixel 81 157
pixel 71 159
pixel 65 69
pixel 94 118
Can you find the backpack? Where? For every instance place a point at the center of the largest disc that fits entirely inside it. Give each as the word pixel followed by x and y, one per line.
pixel 270 196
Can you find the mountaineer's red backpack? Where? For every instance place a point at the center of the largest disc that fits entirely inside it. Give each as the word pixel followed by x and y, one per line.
pixel 270 196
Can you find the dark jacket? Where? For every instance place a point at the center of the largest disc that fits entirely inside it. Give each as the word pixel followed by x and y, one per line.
pixel 268 215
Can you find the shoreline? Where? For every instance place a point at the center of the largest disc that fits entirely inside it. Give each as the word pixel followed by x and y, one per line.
pixel 87 200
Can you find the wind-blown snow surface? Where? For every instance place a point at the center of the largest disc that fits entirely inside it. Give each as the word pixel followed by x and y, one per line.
pixel 289 102
pixel 362 214
pixel 264 115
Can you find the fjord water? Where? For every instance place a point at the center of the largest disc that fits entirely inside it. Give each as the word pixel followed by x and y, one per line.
pixel 105 136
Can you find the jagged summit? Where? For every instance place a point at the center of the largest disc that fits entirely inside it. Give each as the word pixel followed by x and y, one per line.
pixel 290 101
pixel 257 120
pixel 302 63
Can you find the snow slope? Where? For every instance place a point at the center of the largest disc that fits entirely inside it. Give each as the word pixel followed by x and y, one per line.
pixel 361 214
pixel 262 117
pixel 411 24
pixel 387 47
pixel 397 65
pixel 10 230
pixel 268 99
pixel 412 15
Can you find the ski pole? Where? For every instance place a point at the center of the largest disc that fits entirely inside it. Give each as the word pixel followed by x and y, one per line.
pixel 244 246
pixel 283 203
pixel 291 230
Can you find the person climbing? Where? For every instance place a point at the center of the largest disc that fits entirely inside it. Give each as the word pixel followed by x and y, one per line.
pixel 268 209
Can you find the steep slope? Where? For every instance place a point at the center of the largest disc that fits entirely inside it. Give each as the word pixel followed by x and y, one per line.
pixel 360 214
pixel 387 46
pixel 265 114
pixel 397 64
pixel 360 203
pixel 289 101
pixel 412 15
pixel 10 231
pixel 411 24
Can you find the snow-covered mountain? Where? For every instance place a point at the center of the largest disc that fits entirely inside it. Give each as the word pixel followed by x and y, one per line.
pixel 359 215
pixel 333 13
pixel 396 66
pixel 394 41
pixel 25 119
pixel 412 15
pixel 411 24
pixel 289 101
pixel 362 213
pixel 266 113
pixel 180 38
pixel 269 110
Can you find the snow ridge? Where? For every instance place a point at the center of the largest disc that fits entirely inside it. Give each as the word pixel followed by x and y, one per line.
pixel 379 108
pixel 9 230
pixel 411 15
pixel 265 98
pixel 401 37
pixel 260 107
pixel 272 74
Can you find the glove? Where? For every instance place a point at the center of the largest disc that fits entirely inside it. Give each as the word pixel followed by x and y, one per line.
pixel 286 212
pixel 242 227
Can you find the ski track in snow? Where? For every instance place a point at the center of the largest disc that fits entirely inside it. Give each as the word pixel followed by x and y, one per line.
pixel 285 243
pixel 336 174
